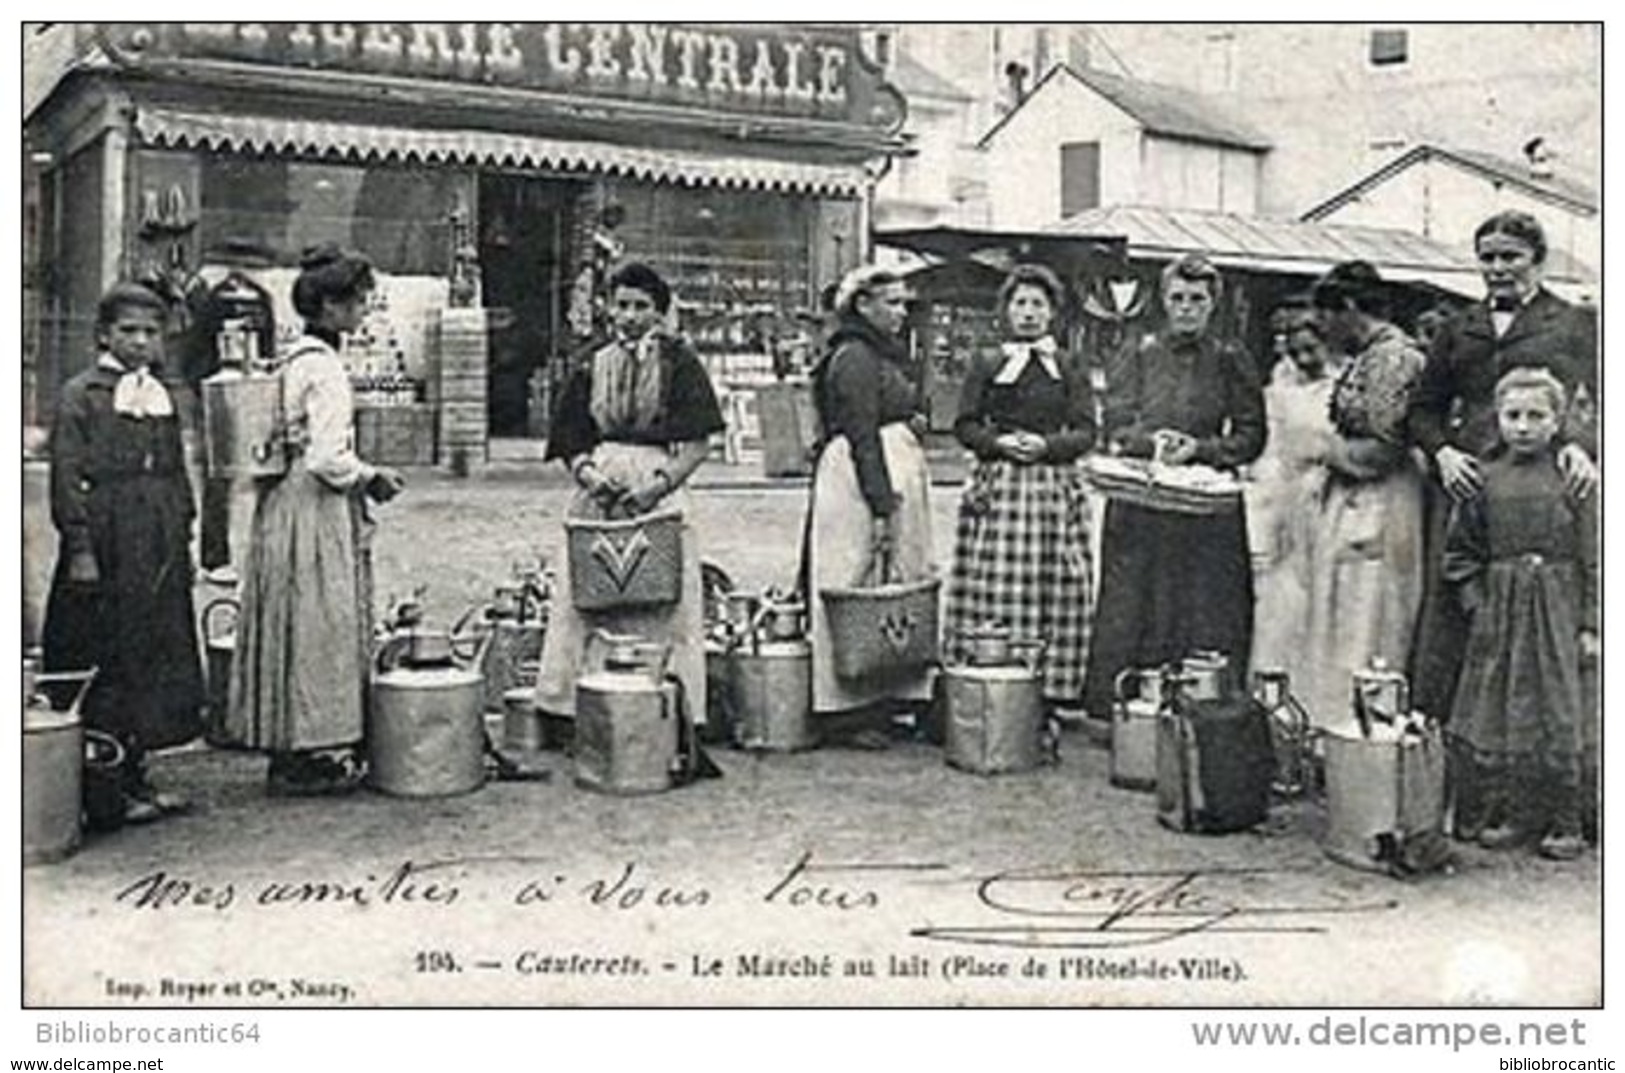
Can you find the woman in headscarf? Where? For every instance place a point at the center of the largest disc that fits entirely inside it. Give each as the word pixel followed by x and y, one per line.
pixel 870 494
pixel 1021 554
pixel 1361 519
pixel 121 598
pixel 1174 583
pixel 304 637
pixel 632 423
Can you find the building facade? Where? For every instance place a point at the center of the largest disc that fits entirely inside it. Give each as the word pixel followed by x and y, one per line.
pixel 491 171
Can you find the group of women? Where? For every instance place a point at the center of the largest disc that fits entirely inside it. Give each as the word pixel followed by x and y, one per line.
pixel 1348 532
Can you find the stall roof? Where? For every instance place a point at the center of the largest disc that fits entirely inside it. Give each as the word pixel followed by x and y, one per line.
pixel 1000 249
pixel 1289 246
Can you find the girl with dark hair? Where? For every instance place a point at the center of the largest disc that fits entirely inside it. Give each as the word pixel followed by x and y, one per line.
pixel 1172 583
pixel 304 636
pixel 1022 549
pixel 632 423
pixel 870 499
pixel 1519 323
pixel 121 599
pixel 1361 519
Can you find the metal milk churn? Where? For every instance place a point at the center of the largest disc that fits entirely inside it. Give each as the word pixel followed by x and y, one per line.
pixel 1290 731
pixel 1140 697
pixel 244 433
pixel 53 767
pixel 219 619
pixel 515 621
pixel 626 732
pixel 426 730
pixel 995 704
pixel 771 678
pixel 1385 795
pixel 1380 696
pixel 1207 675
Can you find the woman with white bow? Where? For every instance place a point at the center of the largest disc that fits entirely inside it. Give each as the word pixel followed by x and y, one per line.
pixel 121 599
pixel 1021 552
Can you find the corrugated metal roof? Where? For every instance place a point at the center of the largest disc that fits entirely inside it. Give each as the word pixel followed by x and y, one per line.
pixel 240 133
pixel 1288 246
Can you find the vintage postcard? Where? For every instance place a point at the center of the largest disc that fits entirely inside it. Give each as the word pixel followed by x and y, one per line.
pixel 810 515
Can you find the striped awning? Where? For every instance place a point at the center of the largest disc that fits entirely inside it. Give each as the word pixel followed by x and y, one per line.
pixel 362 142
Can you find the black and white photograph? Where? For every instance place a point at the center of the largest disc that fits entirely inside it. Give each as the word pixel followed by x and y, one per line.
pixel 812 515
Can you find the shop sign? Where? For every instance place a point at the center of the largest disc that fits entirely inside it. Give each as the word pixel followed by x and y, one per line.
pixel 797 71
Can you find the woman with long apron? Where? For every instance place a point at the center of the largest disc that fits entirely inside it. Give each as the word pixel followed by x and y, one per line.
pixel 633 422
pixel 870 497
pixel 304 637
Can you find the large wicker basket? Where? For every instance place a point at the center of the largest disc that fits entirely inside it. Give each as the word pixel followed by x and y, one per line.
pixel 622 563
pixel 884 631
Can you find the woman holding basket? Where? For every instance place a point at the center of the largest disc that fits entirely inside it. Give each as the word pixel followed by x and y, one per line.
pixel 870 512
pixel 633 422
pixel 1171 582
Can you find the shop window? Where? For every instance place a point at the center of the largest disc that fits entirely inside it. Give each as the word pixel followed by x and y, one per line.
pixel 398 217
pixel 1390 48
pixel 1080 177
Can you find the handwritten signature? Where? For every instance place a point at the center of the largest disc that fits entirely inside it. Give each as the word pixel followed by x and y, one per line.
pixel 1103 909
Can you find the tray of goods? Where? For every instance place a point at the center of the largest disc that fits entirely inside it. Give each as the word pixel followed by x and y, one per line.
pixel 1191 489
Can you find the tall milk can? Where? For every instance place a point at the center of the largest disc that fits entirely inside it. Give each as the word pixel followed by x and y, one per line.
pixel 53 768
pixel 426 731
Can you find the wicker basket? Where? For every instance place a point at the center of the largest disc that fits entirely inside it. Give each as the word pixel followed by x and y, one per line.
pixel 884 631
pixel 635 562
pixel 1132 481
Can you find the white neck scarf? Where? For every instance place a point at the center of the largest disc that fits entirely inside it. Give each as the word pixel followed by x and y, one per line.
pixel 1017 355
pixel 138 393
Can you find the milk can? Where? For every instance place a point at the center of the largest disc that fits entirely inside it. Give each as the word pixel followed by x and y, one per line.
pixel 426 730
pixel 770 678
pixel 53 767
pixel 1290 731
pixel 995 711
pixel 1207 675
pixel 626 727
pixel 219 619
pixel 1380 696
pixel 243 430
pixel 1140 697
pixel 1385 795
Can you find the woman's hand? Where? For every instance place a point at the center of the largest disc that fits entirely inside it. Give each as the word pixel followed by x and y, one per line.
pixel 1579 472
pixel 1590 646
pixel 919 424
pixel 605 490
pixel 1022 446
pixel 882 537
pixel 82 568
pixel 386 484
pixel 1458 472
pixel 646 495
pixel 1172 446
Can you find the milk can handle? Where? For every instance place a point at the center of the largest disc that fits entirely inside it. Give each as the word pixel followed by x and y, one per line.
pixel 388 655
pixel 84 678
pixel 1122 676
pixel 1031 650
pixel 219 603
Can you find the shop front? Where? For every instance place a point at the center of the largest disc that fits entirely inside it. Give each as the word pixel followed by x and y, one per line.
pixel 493 172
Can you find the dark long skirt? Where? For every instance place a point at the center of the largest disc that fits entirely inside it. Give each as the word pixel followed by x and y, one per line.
pixel 135 624
pixel 1441 628
pixel 1170 584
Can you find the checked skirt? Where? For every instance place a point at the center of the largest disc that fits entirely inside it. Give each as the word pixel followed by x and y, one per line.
pixel 1021 559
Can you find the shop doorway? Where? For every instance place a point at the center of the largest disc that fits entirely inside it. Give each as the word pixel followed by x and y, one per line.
pixel 524 248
